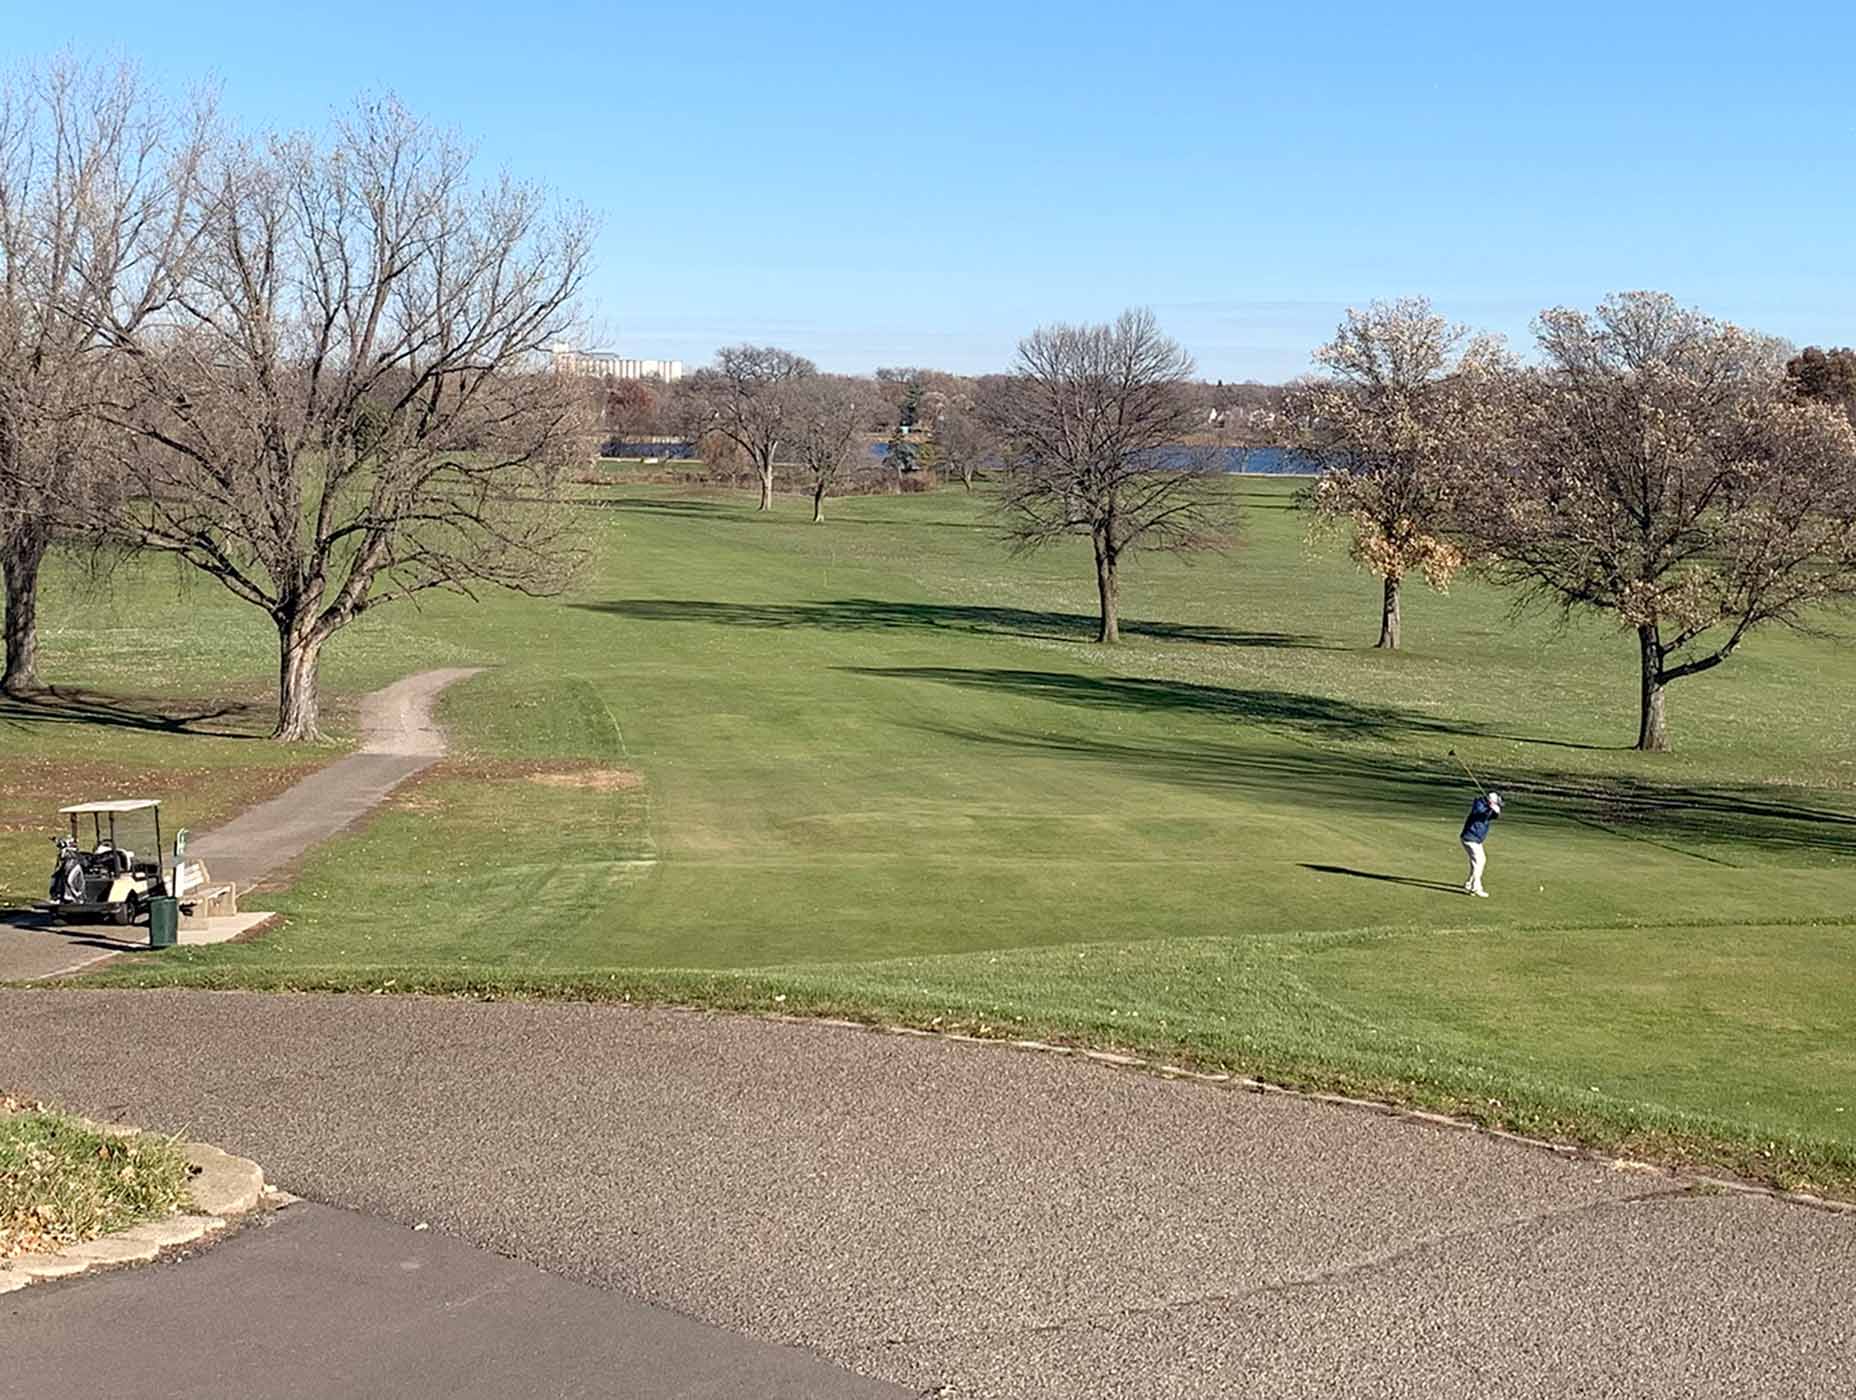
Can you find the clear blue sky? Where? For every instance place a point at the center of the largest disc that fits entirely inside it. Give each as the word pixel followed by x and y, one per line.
pixel 882 184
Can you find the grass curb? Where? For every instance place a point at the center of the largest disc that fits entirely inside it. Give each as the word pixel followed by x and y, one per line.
pixel 66 1181
pixel 1574 1149
pixel 185 1191
pixel 1799 1170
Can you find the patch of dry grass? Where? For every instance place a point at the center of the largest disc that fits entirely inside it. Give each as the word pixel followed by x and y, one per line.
pixel 63 1181
pixel 590 779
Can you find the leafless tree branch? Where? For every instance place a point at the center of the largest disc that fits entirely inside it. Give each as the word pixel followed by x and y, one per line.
pixel 1094 432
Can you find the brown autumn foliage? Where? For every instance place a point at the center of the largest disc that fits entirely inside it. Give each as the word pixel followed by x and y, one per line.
pixel 1390 428
pixel 1656 468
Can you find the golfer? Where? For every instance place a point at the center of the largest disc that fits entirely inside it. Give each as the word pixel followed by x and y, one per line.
pixel 1475 831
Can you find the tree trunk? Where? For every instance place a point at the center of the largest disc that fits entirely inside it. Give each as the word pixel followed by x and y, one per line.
pixel 818 504
pixel 1388 616
pixel 966 480
pixel 1106 590
pixel 299 660
pixel 766 487
pixel 1652 726
pixel 22 614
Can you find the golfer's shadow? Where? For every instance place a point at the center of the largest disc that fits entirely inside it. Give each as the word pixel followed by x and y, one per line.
pixel 1388 879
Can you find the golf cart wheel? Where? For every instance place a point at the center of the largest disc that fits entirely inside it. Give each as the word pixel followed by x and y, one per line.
pixel 123 913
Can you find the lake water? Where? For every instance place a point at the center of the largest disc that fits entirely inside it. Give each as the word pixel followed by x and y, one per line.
pixel 1264 461
pixel 1270 461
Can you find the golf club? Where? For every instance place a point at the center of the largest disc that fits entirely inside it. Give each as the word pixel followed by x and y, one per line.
pixel 1466 768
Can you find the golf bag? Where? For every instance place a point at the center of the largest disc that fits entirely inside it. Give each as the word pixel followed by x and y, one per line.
pixel 68 874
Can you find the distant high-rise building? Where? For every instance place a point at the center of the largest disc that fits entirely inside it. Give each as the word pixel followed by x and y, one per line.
pixel 604 364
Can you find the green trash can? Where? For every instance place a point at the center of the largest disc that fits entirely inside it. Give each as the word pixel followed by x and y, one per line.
pixel 163 921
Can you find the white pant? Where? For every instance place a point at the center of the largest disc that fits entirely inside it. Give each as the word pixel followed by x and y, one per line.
pixel 1476 861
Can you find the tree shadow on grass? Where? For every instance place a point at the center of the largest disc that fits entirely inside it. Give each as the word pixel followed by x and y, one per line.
pixel 1277 709
pixel 1437 885
pixel 1255 498
pixel 906 522
pixel 1280 709
pixel 1288 773
pixel 872 614
pixel 55 706
pixel 697 510
pixel 1704 823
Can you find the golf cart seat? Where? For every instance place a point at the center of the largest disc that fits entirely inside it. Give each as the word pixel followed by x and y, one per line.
pixel 107 862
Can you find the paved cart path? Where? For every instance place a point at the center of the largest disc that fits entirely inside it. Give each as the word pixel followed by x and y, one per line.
pixel 1004 1223
pixel 315 1302
pixel 30 950
pixel 398 738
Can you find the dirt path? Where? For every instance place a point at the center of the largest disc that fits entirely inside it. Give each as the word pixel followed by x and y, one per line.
pixel 398 739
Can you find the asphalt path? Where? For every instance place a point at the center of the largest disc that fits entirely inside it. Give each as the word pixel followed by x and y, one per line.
pixel 399 738
pixel 315 1302
pixel 995 1222
pixel 31 946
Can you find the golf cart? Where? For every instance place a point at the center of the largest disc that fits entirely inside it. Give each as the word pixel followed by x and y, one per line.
pixel 108 882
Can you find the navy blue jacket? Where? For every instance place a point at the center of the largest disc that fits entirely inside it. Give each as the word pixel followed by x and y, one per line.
pixel 1480 815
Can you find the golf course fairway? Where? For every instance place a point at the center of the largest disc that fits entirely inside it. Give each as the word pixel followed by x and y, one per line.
pixel 877 768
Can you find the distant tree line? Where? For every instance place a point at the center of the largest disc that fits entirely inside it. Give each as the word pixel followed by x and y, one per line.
pixel 1691 480
pixel 738 414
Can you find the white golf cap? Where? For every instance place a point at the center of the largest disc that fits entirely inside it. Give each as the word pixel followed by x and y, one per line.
pixel 1495 801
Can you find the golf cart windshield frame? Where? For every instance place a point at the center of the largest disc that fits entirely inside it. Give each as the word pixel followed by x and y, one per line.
pixel 97 811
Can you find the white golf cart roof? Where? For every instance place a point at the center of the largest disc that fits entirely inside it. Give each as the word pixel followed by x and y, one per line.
pixel 126 804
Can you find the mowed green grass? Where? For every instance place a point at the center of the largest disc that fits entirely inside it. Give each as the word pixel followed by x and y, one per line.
pixel 164 686
pixel 876 767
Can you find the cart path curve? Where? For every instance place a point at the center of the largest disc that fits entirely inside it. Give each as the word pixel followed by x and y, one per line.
pixel 398 739
pixel 314 1302
pixel 1013 1226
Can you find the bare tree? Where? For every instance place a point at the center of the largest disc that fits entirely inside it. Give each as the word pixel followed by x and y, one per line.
pixel 1389 428
pixel 95 176
pixel 1093 427
pixel 745 397
pixel 1656 468
pixel 964 444
pixel 348 406
pixel 827 434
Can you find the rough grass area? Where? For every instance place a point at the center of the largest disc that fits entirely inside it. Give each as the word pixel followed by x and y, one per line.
pixel 160 685
pixel 62 1183
pixel 876 768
